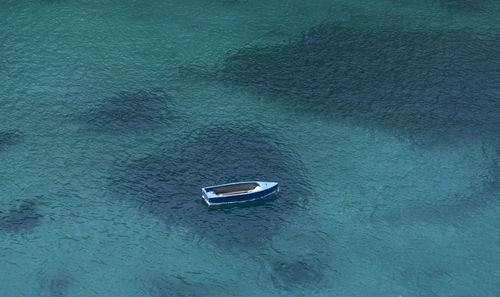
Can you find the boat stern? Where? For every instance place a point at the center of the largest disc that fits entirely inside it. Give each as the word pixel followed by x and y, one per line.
pixel 204 195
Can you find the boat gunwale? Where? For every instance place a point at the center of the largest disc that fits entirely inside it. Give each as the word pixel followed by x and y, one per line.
pixel 219 190
pixel 264 186
pixel 210 189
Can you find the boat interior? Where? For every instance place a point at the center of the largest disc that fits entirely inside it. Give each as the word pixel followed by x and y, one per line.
pixel 235 189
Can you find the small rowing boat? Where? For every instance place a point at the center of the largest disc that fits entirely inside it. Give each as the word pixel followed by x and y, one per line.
pixel 238 192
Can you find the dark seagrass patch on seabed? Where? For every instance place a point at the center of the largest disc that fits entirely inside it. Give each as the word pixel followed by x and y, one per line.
pixel 167 184
pixel 130 110
pixel 429 86
pixel 9 138
pixel 20 218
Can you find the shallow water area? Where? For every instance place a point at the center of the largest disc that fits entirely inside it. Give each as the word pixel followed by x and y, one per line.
pixel 380 120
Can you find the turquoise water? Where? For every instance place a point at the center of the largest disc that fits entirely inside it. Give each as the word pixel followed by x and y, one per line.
pixel 380 120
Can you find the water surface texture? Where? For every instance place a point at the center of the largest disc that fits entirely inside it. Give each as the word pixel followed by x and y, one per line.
pixel 379 119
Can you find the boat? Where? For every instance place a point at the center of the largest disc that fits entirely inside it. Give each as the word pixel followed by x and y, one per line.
pixel 238 192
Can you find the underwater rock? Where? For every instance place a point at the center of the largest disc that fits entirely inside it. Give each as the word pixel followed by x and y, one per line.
pixel 292 274
pixel 56 283
pixel 429 86
pixel 20 218
pixel 129 111
pixel 167 184
pixel 58 287
pixel 8 138
pixel 164 286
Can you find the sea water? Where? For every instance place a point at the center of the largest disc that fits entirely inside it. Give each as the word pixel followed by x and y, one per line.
pixel 379 119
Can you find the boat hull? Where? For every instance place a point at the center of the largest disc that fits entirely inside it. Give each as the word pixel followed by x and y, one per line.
pixel 267 188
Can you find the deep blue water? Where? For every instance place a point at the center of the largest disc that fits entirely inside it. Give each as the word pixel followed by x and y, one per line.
pixel 379 119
